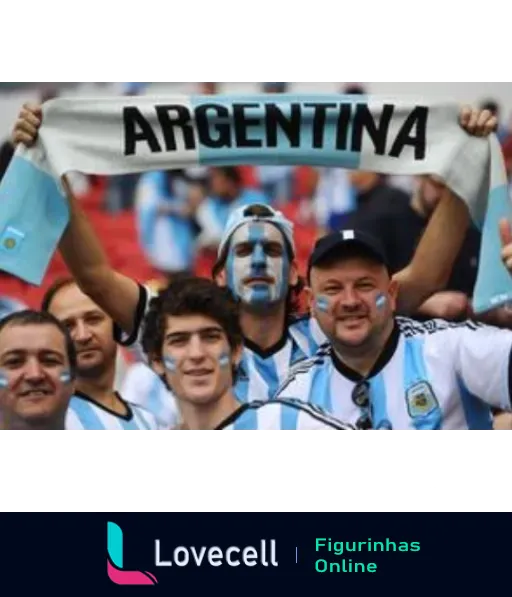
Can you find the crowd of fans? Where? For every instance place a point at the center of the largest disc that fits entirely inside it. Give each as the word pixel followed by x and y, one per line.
pixel 170 225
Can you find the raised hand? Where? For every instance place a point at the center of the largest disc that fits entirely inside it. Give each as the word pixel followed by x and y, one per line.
pixel 27 126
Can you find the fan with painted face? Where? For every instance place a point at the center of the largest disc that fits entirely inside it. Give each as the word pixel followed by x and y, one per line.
pixel 259 266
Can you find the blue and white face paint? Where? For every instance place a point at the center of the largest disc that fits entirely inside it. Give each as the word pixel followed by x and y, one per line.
pixel 381 301
pixel 4 382
pixel 225 361
pixel 322 304
pixel 65 378
pixel 200 376
pixel 170 364
pixel 256 274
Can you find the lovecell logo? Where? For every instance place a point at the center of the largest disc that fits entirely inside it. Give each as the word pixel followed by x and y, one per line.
pixel 116 571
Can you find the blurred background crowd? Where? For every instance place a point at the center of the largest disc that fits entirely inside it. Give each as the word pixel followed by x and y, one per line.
pixel 163 223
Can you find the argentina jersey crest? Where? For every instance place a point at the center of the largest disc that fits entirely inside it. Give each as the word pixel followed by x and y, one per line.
pixel 421 400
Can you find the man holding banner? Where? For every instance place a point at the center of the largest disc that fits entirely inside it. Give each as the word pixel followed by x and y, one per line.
pixel 270 337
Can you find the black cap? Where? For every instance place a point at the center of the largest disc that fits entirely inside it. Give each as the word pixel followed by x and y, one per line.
pixel 354 240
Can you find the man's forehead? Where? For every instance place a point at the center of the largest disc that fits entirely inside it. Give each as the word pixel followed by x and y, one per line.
pixel 190 324
pixel 72 302
pixel 258 231
pixel 32 338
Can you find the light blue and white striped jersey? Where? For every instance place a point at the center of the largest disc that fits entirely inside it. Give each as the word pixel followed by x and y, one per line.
pixel 86 415
pixel 144 388
pixel 431 376
pixel 282 415
pixel 168 240
pixel 261 373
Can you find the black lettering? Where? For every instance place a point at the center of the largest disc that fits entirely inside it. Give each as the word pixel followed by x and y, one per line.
pixel 343 126
pixel 133 118
pixel 319 123
pixel 208 123
pixel 417 120
pixel 242 123
pixel 290 125
pixel 182 120
pixel 364 120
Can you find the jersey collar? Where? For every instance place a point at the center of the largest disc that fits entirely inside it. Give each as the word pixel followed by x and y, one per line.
pixel 387 354
pixel 129 412
pixel 269 352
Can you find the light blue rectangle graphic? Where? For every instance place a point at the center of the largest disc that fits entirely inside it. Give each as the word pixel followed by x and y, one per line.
pixel 252 143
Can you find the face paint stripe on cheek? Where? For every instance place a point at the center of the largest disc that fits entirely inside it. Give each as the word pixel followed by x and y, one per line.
pixel 170 364
pixel 381 301
pixel 322 304
pixel 224 360
pixel 65 378
pixel 230 270
pixel 4 382
pixel 236 266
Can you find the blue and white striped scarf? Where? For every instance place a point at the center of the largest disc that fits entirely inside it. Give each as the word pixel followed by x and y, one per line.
pixel 131 135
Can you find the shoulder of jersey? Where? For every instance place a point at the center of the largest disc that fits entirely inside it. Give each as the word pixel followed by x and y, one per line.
pixel 299 320
pixel 306 366
pixel 411 328
pixel 310 409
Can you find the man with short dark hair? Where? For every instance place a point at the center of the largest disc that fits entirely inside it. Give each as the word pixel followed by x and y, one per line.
pixel 96 405
pixel 37 372
pixel 383 372
pixel 193 338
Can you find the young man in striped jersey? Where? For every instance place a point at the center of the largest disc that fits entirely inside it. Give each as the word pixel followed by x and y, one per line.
pixel 273 344
pixel 37 372
pixel 193 338
pixel 382 372
pixel 95 405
